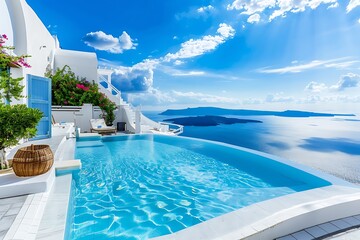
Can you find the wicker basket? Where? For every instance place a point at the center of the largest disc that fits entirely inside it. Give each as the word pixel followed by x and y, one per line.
pixel 33 160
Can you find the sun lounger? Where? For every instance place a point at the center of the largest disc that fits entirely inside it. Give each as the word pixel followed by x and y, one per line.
pixel 99 126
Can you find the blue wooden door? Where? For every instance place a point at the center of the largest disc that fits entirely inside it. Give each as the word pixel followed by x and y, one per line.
pixel 39 96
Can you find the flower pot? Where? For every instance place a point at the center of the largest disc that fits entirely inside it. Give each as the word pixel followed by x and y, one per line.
pixel 33 160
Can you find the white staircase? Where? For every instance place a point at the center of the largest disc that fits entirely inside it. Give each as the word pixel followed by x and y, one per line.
pixel 135 121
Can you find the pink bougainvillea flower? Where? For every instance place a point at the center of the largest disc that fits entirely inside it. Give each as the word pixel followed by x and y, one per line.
pixel 81 86
pixel 22 62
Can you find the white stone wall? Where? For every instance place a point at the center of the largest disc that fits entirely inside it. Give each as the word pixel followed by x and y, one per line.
pixel 30 37
pixel 83 64
pixel 5 22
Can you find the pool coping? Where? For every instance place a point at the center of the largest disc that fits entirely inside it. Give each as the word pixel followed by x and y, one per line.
pixel 276 217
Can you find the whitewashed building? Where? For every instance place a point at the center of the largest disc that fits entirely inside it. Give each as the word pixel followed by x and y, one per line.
pixel 29 36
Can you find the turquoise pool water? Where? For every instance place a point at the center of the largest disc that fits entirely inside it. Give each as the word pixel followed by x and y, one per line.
pixel 143 186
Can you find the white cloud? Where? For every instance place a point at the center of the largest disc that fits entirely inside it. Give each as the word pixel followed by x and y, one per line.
pixel 296 68
pixel 251 6
pixel 190 73
pixel 138 78
pixel 330 99
pixel 334 5
pixel 226 31
pixel 295 6
pixel 178 62
pixel 196 97
pixel 106 42
pixel 350 80
pixel 316 87
pixel 278 98
pixel 352 4
pixel 341 65
pixel 332 63
pixel 151 97
pixel 277 8
pixel 359 20
pixel 252 101
pixel 197 47
pixel 205 9
pixel 157 97
pixel 254 18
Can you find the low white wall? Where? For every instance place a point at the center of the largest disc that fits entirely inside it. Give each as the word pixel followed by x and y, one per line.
pixel 80 115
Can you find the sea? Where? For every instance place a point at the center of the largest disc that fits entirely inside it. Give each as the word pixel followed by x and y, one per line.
pixel 329 144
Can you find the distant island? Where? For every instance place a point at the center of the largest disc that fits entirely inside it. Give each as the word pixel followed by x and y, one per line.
pixel 208 121
pixel 213 111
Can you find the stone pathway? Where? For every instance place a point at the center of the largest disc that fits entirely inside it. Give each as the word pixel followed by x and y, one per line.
pixel 9 208
pixel 337 229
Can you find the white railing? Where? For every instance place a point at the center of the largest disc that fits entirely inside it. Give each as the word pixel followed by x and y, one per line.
pixel 174 128
pixel 129 113
pixel 110 87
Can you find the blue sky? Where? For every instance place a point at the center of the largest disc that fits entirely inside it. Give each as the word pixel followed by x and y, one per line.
pixel 258 54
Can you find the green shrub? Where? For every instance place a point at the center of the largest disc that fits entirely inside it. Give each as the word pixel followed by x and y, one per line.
pixel 69 90
pixel 16 121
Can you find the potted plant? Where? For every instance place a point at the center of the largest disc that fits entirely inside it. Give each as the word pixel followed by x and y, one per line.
pixel 16 121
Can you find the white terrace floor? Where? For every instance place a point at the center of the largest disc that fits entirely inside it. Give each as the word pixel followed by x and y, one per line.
pixel 297 216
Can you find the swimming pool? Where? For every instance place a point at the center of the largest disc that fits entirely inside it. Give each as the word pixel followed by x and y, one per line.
pixel 143 186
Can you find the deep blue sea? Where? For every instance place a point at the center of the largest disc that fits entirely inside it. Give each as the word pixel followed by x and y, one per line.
pixel 330 144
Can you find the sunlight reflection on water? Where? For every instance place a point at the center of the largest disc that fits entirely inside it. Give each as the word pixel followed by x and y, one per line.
pixel 331 144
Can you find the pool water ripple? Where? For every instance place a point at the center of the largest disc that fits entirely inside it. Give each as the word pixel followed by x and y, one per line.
pixel 139 189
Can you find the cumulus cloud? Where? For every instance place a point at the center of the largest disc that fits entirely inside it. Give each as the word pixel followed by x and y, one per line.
pixel 352 4
pixel 137 78
pixel 277 8
pixel 316 87
pixel 254 18
pixel 205 9
pixel 350 80
pixel 151 97
pixel 250 7
pixel 197 47
pixel 106 42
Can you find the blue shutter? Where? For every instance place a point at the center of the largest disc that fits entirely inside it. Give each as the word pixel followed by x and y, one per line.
pixel 39 96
